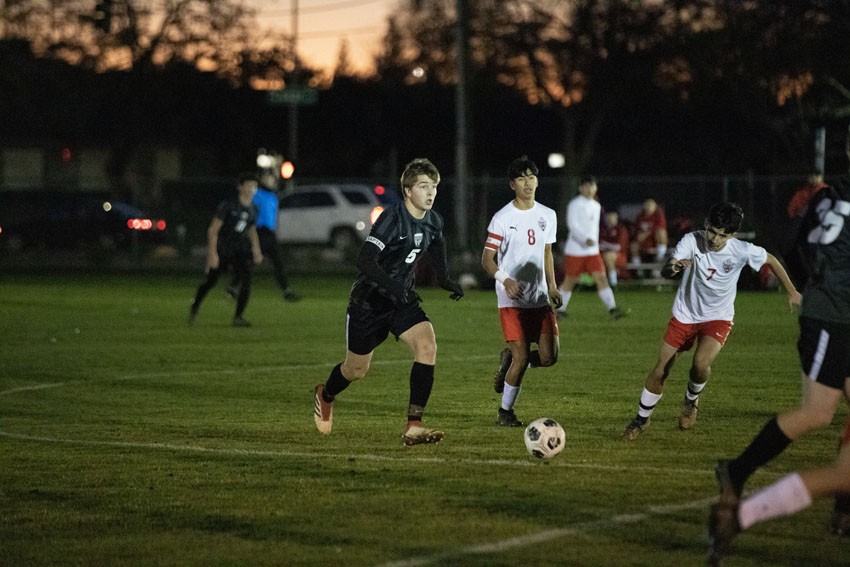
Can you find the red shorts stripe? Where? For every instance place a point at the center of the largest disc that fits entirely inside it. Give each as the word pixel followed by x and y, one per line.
pixel 681 336
pixel 575 266
pixel 527 324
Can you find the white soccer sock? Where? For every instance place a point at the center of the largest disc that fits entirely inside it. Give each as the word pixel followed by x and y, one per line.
pixel 787 496
pixel 612 278
pixel 509 396
pixel 647 403
pixel 660 251
pixel 607 297
pixel 694 390
pixel 565 298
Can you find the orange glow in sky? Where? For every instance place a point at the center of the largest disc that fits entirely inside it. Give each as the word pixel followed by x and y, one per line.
pixel 324 24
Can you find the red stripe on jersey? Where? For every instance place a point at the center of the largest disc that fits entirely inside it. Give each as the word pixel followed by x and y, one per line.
pixel 491 246
pixel 495 236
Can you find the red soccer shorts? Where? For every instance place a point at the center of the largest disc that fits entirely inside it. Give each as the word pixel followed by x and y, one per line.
pixel 527 325
pixel 575 266
pixel 681 336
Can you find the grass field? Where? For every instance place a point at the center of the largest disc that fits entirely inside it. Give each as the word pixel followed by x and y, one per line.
pixel 128 438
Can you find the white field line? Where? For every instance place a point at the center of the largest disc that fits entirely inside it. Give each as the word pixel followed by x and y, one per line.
pixel 546 535
pixel 279 368
pixel 219 371
pixel 406 458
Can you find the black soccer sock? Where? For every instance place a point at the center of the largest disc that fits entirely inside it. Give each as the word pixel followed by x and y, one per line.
pixel 534 359
pixel 336 383
pixel 244 295
pixel 842 503
pixel 421 382
pixel 769 443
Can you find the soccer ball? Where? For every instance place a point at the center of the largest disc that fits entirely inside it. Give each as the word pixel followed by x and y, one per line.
pixel 544 438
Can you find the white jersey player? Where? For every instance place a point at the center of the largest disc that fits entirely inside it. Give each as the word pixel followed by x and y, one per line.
pixel 711 261
pixel 518 254
pixel 581 251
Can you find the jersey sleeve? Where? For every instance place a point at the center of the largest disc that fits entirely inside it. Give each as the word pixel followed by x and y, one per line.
pixel 222 209
pixel 685 248
pixel 553 222
pixel 756 256
pixel 383 230
pixel 495 234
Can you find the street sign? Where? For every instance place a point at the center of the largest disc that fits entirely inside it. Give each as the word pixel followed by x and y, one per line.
pixel 293 94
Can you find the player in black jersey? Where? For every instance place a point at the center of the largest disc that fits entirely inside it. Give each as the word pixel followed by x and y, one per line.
pixel 232 242
pixel 384 300
pixel 824 347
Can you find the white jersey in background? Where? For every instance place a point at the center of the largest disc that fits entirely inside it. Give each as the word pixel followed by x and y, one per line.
pixel 519 238
pixel 583 223
pixel 708 287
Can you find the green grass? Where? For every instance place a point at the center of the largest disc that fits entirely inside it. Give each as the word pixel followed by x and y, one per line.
pixel 128 438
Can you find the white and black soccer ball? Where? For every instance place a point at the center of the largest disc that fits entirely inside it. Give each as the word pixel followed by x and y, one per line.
pixel 544 438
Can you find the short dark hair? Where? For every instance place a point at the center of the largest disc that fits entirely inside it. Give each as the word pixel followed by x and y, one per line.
pixel 727 216
pixel 243 177
pixel 587 179
pixel 520 165
pixel 417 167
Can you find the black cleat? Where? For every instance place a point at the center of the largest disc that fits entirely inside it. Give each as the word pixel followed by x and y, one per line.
pixel 505 359
pixel 240 322
pixel 291 296
pixel 619 312
pixel 507 418
pixel 723 526
pixel 840 524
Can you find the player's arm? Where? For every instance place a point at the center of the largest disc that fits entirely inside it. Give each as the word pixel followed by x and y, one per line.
pixel 674 266
pixel 255 244
pixel 549 270
pixel 212 242
pixel 368 264
pixel 794 296
pixel 574 224
pixel 439 259
pixel 488 262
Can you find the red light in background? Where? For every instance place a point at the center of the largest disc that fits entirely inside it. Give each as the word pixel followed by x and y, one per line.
pixel 130 223
pixel 146 224
pixel 160 224
pixel 379 190
pixel 287 169
pixel 65 154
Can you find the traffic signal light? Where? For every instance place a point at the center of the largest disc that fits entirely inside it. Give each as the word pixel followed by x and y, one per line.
pixel 286 170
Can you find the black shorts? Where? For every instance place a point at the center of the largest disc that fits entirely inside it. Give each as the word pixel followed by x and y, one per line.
pixel 824 349
pixel 365 329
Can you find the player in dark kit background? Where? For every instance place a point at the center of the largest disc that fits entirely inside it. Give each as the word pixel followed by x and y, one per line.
pixel 232 242
pixel 267 206
pixel 384 300
pixel 824 349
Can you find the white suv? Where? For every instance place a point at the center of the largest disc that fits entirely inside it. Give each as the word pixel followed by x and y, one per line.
pixel 340 215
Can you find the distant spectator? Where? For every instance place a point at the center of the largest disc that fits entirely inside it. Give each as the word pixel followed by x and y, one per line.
pixel 614 246
pixel 650 239
pixel 803 195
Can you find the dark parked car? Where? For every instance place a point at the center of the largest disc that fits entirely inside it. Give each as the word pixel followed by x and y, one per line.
pixel 61 220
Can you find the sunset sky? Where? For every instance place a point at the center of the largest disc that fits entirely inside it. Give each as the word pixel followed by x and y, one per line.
pixel 323 24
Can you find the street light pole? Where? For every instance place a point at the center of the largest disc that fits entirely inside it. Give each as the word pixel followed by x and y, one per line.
pixel 461 120
pixel 293 106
